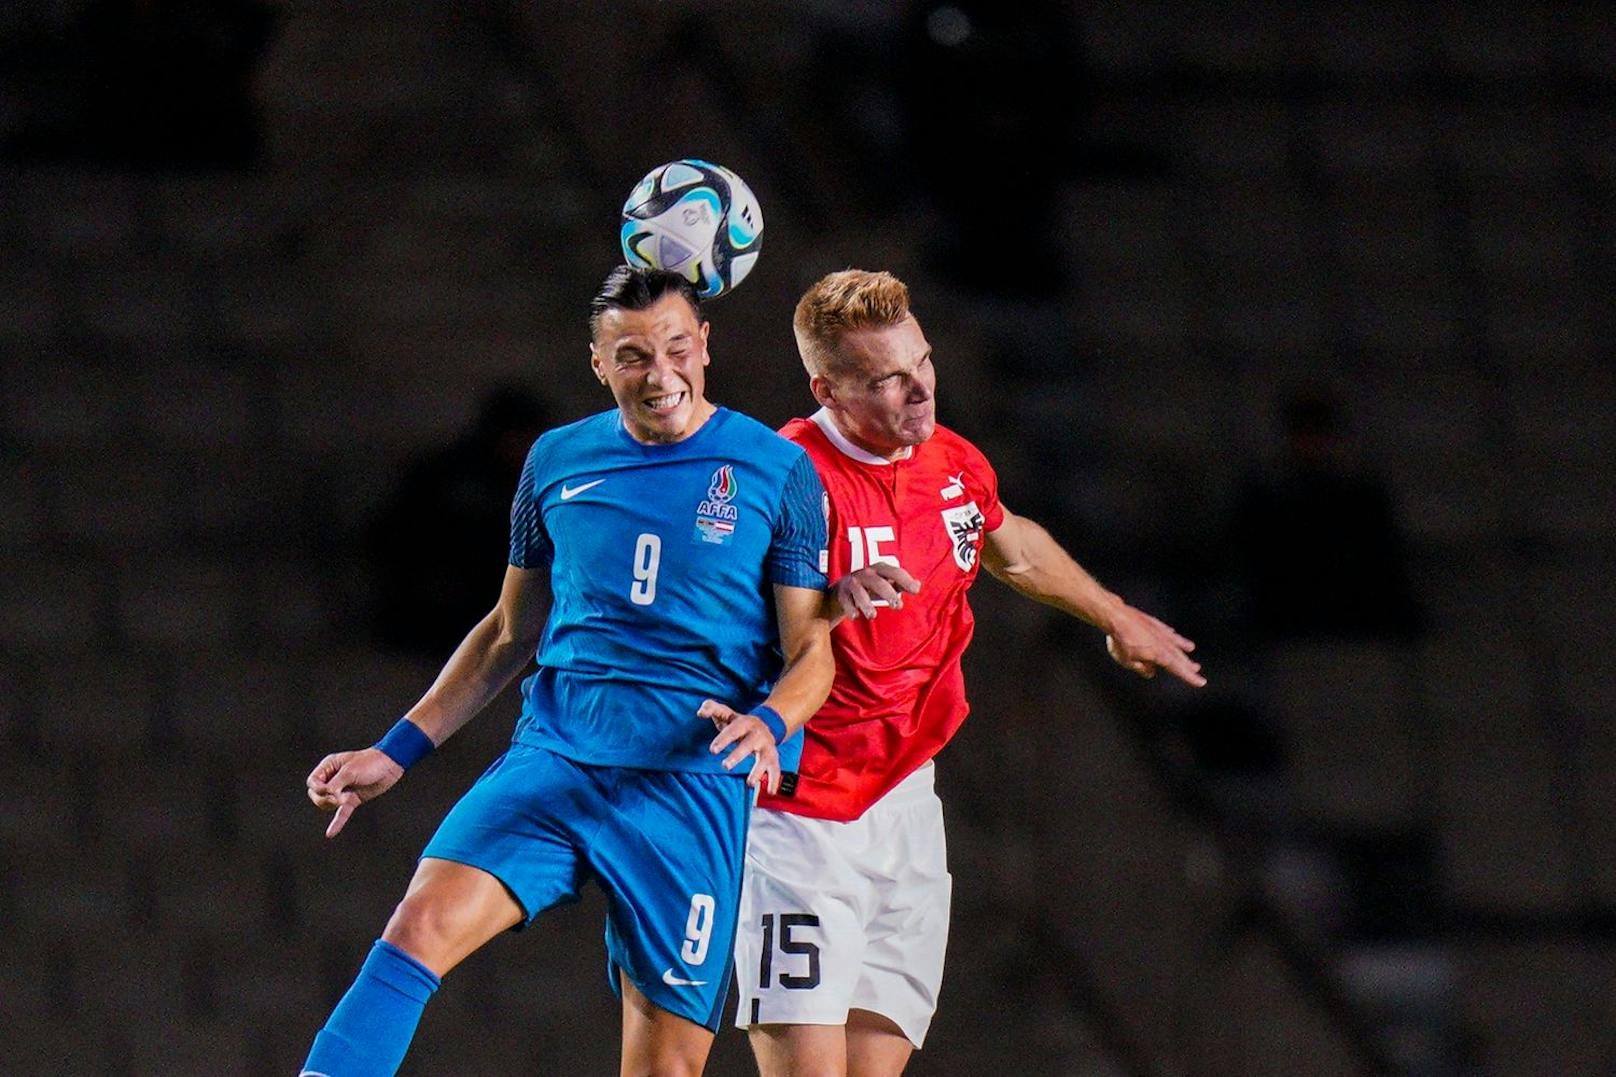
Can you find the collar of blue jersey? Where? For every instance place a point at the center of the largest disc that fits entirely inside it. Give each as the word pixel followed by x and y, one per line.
pixel 669 448
pixel 822 419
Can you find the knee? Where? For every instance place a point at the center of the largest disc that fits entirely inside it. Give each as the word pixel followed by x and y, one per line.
pixel 800 1050
pixel 803 1068
pixel 425 928
pixel 672 1067
pixel 799 1065
pixel 667 1060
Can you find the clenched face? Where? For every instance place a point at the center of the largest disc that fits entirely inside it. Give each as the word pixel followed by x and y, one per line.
pixel 882 388
pixel 654 361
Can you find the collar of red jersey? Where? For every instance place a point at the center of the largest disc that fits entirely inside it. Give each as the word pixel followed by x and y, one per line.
pixel 822 419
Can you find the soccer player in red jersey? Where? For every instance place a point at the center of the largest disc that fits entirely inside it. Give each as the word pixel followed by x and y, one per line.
pixel 844 912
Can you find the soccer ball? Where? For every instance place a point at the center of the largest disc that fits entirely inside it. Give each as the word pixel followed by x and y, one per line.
pixel 696 219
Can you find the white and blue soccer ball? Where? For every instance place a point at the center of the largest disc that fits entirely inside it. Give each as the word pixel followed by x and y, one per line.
pixel 697 219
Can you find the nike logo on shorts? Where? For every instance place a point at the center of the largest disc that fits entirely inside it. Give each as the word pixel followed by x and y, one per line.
pixel 570 492
pixel 678 981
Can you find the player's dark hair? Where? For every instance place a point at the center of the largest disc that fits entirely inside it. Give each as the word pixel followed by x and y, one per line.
pixel 634 288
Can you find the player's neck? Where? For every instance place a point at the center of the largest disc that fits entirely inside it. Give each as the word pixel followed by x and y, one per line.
pixel 902 452
pixel 703 410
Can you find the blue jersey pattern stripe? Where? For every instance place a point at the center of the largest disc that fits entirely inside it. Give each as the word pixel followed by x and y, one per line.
pixel 530 546
pixel 800 534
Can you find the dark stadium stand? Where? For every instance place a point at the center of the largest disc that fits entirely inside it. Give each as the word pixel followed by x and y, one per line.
pixel 208 382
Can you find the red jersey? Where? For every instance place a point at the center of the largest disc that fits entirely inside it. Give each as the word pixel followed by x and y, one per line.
pixel 899 693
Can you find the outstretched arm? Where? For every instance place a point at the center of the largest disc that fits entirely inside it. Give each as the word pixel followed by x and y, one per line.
pixel 803 686
pixel 495 651
pixel 1027 558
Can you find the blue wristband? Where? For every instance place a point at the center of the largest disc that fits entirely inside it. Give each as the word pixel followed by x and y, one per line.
pixel 405 744
pixel 771 718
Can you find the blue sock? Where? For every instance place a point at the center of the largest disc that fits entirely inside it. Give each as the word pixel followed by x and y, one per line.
pixel 371 1028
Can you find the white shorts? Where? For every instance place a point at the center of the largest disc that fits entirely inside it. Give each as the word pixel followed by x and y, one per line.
pixel 839 916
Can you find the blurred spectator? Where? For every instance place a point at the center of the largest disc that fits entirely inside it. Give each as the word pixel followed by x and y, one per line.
pixel 1317 546
pixel 440 544
pixel 146 83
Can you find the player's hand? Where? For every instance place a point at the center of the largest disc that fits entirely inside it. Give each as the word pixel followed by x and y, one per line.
pixel 345 780
pixel 744 735
pixel 859 590
pixel 1143 644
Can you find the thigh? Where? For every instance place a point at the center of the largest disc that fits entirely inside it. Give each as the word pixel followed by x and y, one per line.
pixel 657 1041
pixel 520 822
pixel 449 911
pixel 669 859
pixel 800 945
pixel 876 1046
pixel 789 1050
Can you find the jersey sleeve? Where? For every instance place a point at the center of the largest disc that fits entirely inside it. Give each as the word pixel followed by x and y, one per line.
pixel 530 543
pixel 797 552
pixel 986 480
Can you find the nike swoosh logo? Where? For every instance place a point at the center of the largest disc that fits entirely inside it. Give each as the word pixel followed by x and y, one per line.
pixel 570 492
pixel 678 981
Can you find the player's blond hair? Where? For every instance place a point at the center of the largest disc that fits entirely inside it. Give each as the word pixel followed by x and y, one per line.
pixel 840 303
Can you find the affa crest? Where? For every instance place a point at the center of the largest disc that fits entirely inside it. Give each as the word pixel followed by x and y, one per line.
pixel 722 487
pixel 716 516
pixel 964 526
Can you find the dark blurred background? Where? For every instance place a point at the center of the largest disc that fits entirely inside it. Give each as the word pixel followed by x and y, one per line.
pixel 1293 322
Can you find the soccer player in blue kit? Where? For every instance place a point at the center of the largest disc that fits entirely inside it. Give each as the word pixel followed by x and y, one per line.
pixel 685 549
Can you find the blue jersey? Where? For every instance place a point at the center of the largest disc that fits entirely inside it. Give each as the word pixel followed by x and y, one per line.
pixel 662 565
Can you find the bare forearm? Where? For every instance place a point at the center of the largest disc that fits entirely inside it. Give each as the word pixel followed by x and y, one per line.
pixel 480 668
pixel 1023 555
pixel 804 684
pixel 1043 571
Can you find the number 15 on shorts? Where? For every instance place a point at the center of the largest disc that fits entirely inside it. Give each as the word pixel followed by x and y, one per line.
pixel 795 975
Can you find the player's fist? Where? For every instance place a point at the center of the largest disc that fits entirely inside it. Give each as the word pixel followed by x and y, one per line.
pixel 744 735
pixel 1140 642
pixel 860 591
pixel 345 780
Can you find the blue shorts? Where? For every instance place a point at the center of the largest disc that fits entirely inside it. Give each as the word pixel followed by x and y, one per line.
pixel 666 846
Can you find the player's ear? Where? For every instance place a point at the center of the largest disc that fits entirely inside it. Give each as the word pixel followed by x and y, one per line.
pixel 595 364
pixel 706 357
pixel 823 390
